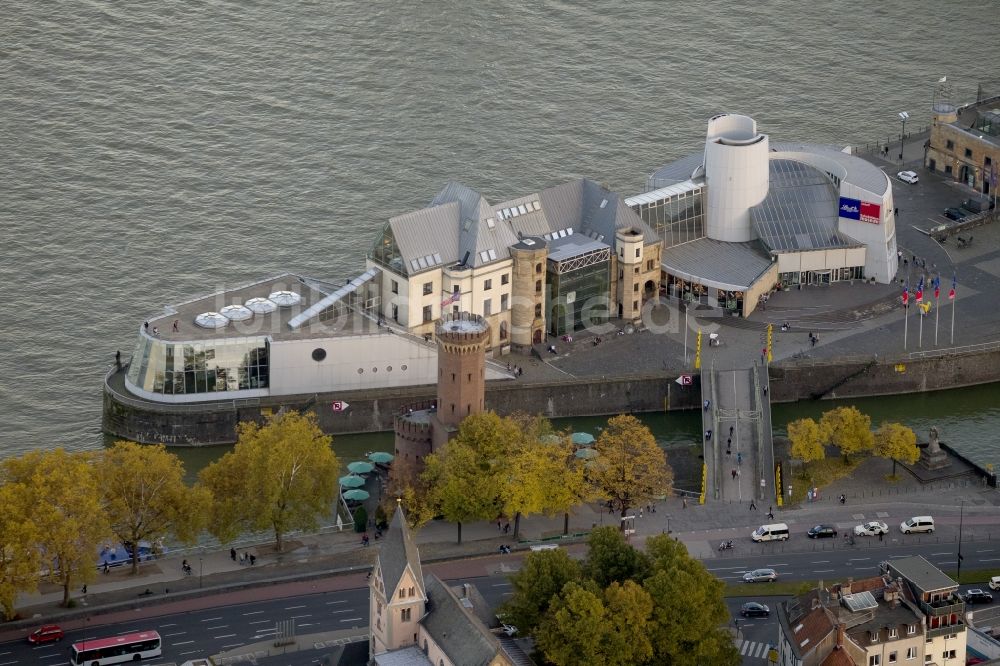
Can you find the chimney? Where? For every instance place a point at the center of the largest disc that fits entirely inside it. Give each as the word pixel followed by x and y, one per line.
pixel 845 588
pixel 465 590
pixel 841 628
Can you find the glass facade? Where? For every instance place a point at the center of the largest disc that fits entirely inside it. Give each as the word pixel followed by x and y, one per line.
pixel 677 219
pixel 578 296
pixel 175 368
pixel 385 252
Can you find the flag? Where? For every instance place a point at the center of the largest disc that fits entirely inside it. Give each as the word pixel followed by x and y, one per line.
pixel 937 286
pixel 906 296
pixel 951 294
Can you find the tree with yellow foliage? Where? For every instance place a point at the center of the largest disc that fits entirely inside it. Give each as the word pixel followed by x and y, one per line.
pixel 896 441
pixel 807 439
pixel 66 510
pixel 280 476
pixel 146 498
pixel 630 469
pixel 20 559
pixel 848 429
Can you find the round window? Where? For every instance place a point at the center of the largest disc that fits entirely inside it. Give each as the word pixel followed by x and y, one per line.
pixel 361 371
pixel 403 367
pixel 388 368
pixel 374 369
pixel 319 354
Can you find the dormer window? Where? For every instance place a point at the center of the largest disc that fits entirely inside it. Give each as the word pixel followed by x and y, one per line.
pixel 874 636
pixel 911 629
pixel 892 632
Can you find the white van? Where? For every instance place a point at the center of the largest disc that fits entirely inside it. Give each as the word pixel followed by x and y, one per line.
pixel 917 524
pixel 775 532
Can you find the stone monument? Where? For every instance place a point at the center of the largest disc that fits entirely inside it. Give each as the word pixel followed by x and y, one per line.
pixel 931 456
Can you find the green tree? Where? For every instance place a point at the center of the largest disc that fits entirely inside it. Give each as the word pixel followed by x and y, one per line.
pixel 587 627
pixel 145 496
pixel 611 559
pixel 807 439
pixel 280 476
pixel 536 584
pixel 66 510
pixel 896 441
pixel 849 430
pixel 630 470
pixel 689 613
pixel 20 559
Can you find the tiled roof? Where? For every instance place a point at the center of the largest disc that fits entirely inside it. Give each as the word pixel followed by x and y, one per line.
pixel 838 657
pixel 455 628
pixel 397 551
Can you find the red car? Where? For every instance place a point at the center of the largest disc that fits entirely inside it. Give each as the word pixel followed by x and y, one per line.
pixel 47 633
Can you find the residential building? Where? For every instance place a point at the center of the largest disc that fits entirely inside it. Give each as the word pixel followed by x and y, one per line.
pixel 964 142
pixel 909 615
pixel 417 620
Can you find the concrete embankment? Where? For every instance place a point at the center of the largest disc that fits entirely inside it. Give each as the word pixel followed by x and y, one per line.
pixel 372 411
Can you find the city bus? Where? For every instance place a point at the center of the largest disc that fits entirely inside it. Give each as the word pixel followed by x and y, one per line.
pixel 116 650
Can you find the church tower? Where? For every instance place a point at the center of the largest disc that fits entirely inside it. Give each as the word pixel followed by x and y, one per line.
pixel 397 598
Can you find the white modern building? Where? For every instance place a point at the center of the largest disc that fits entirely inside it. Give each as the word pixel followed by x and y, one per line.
pixel 746 216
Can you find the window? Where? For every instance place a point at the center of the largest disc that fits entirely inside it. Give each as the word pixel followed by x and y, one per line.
pixel 538 268
pixel 650 264
pixel 428 314
pixel 503 302
pixel 635 287
pixel 395 286
pixel 911 629
pixel 927 659
pixel 873 636
pixel 538 286
pixel 874 660
pixel 411 592
pixel 947 169
pixel 487 285
pixel 454 289
pixel 892 632
pixel 402 593
pixel 635 305
pixel 949 144
pixel 538 309
pixel 621 274
pixel 911 653
pixel 487 307
pixel 428 288
pixel 892 657
pixel 968 152
pixel 505 279
pixel 638 253
pixel 405 614
pixel 503 330
pixel 635 270
pixel 948 654
pixel 987 161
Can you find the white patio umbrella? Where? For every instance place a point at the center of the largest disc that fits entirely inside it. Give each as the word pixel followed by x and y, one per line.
pixel 260 305
pixel 211 320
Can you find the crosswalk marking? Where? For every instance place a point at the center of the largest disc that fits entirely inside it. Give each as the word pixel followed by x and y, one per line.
pixel 752 649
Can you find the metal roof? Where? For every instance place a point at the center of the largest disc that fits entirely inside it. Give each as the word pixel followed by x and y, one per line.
pixel 677 171
pixel 397 552
pixel 729 266
pixel 456 630
pixel 800 211
pixel 843 165
pixel 922 574
pixel 561 249
pixel 428 232
pixel 326 302
pixel 662 193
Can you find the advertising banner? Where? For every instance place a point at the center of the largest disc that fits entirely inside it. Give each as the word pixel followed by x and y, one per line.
pixel 871 212
pixel 850 208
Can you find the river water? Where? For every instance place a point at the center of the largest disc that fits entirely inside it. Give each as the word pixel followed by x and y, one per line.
pixel 152 152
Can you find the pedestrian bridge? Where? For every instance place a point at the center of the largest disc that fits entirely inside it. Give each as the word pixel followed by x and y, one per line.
pixel 739 452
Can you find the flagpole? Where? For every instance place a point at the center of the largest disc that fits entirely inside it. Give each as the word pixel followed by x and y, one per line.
pixel 906 322
pixel 920 313
pixel 685 332
pixel 937 315
pixel 953 322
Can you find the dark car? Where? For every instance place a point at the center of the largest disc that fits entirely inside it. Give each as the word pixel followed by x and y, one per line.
pixel 754 609
pixel 977 597
pixel 822 532
pixel 954 214
pixel 47 633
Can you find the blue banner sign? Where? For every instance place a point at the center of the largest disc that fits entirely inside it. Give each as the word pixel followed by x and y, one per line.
pixel 850 208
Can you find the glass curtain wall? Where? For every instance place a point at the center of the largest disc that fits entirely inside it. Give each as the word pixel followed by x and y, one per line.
pixel 170 368
pixel 676 220
pixel 578 298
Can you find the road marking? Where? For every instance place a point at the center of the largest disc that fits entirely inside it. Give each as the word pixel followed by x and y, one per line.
pixel 822 570
pixel 305 624
pixel 771 566
pixel 947 562
pixel 936 554
pixel 295 617
pixel 179 633
pixel 988 550
pixel 260 622
pixel 989 559
pixel 294 607
pixel 821 562
pixel 215 638
pixel 346 610
pixel 501 584
pixel 232 645
pixel 221 626
pixel 254 613
pixel 191 652
pixel 212 619
pixel 350 619
pixel 330 603
pixel 859 559
pixel 183 642
pixel 172 624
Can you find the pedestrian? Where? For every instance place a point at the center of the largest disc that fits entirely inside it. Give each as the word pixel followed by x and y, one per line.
pixel 899 257
pixel 707 403
pixel 145 326
pixel 730 431
pixel 508 366
pixel 906 263
pixel 708 434
pixel 85 587
pixel 684 502
pixel 880 535
pixel 640 512
pixel 118 358
pixel 232 553
pixel 506 528
pixel 242 558
pixel 253 559
pixel 763 354
pixel 156 330
pixel 770 513
pixel 177 323
pixel 739 458
pixel 107 569
pixel 753 507
pixel 734 475
pixel 499 525
pixel 765 390
pixel 897 212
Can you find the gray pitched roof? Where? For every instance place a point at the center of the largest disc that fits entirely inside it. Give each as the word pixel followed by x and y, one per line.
pixel 590 209
pixel 730 266
pixel 425 233
pixel 922 574
pixel 397 551
pixel 456 629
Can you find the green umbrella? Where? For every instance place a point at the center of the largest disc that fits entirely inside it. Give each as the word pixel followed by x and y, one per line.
pixel 586 454
pixel 351 481
pixel 583 438
pixel 380 457
pixel 356 494
pixel 360 467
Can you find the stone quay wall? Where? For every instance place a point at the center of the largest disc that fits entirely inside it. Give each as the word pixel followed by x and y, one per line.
pixel 374 411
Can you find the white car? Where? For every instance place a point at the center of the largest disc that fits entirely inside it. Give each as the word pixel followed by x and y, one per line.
pixel 995 583
pixel 908 177
pixel 873 528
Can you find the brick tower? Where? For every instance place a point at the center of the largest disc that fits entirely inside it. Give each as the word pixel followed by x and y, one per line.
pixel 422 428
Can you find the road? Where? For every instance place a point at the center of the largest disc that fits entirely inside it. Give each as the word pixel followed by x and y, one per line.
pixel 209 631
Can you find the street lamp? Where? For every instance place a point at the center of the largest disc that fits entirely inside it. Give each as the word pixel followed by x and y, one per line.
pixel 903 116
pixel 961 514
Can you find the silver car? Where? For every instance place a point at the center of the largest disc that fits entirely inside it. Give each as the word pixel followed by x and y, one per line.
pixel 873 528
pixel 760 576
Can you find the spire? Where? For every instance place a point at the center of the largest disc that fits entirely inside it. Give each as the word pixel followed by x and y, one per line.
pixel 398 551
